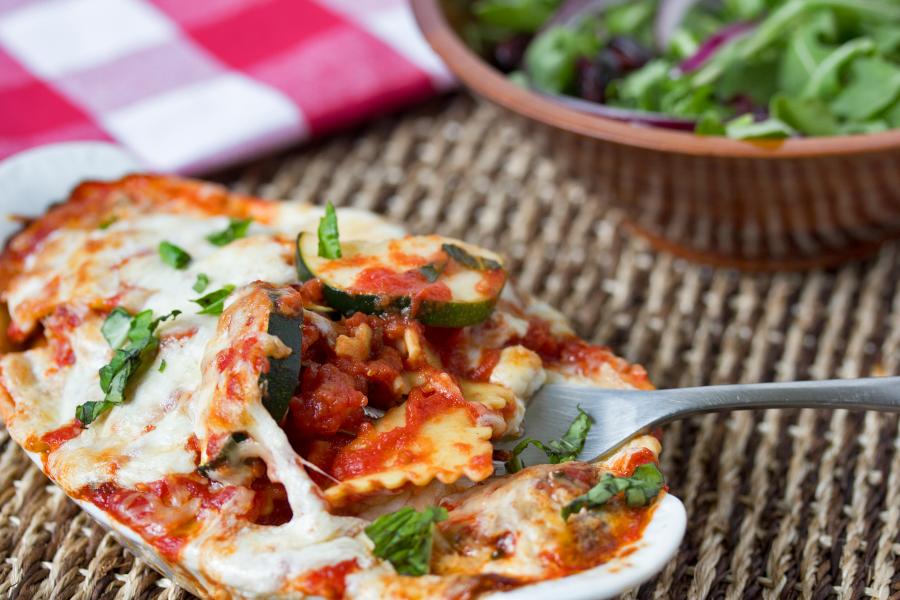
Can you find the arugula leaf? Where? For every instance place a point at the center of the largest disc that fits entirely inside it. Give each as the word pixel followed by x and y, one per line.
pixel 874 85
pixel 115 327
pixel 746 128
pixel 892 114
pixel 516 15
pixel 127 361
pixel 329 238
pixel 824 82
pixel 475 263
pixel 805 51
pixel 405 538
pixel 567 448
pixel 807 115
pixel 173 256
pixel 629 18
pixel 709 124
pixel 640 489
pixel 551 57
pixel 213 303
pixel 236 229
pixel 201 283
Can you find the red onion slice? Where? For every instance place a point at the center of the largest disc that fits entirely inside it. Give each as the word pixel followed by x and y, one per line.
pixel 628 115
pixel 713 44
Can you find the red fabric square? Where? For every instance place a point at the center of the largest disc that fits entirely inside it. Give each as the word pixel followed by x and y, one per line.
pixel 343 75
pixel 262 30
pixel 32 113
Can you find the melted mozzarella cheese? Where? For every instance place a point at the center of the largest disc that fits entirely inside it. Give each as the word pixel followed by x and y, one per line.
pixel 146 438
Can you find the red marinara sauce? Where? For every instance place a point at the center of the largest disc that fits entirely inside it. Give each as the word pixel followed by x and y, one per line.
pixel 329 582
pixel 166 513
pixel 369 451
pixel 52 440
pixel 380 281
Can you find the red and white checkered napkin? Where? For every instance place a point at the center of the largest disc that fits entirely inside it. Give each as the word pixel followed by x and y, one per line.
pixel 191 85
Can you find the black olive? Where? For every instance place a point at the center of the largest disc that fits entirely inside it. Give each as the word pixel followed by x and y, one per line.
pixel 509 53
pixel 594 75
pixel 632 55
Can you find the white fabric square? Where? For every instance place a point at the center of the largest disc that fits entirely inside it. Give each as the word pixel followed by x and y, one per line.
pixel 392 22
pixel 199 122
pixel 61 36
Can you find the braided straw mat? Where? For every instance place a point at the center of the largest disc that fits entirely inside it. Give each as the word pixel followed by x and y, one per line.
pixel 786 504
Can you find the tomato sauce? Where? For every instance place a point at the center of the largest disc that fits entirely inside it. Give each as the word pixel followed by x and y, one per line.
pixel 166 513
pixel 588 359
pixel 329 582
pixel 386 282
pixel 52 440
pixel 371 451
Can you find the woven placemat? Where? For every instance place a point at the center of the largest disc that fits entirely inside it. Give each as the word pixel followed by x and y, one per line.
pixel 780 503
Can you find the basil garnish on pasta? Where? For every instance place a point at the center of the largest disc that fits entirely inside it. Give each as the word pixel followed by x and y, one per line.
pixel 214 302
pixel 139 350
pixel 567 448
pixel 201 283
pixel 404 538
pixel 640 489
pixel 237 228
pixel 329 240
pixel 173 256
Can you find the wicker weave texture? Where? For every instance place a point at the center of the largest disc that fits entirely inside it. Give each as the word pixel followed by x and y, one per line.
pixel 781 504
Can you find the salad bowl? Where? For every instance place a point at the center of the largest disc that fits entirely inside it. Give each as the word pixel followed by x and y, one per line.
pixel 754 204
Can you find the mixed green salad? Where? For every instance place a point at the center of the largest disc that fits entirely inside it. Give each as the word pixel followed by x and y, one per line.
pixel 746 69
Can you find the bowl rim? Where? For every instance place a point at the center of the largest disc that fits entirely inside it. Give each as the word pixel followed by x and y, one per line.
pixel 490 83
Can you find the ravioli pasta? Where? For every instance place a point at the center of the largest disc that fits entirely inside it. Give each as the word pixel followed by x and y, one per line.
pixel 254 444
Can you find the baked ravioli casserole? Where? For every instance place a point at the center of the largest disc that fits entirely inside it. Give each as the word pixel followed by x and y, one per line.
pixel 265 399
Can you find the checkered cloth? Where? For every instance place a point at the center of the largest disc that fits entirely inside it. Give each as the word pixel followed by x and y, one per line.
pixel 191 85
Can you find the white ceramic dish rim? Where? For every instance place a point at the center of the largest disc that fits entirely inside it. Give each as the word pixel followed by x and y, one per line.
pixel 33 180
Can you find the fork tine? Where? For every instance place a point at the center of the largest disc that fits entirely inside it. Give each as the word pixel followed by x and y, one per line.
pixel 617 415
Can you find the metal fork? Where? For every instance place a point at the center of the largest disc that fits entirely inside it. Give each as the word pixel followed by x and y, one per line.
pixel 620 414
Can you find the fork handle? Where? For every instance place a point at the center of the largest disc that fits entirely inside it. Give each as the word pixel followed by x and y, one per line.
pixel 871 393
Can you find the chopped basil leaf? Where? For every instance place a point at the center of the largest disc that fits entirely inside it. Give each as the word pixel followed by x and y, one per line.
pixel 173 256
pixel 329 240
pixel 476 263
pixel 88 412
pixel 115 327
pixel 107 222
pixel 214 302
pixel 237 228
pixel 201 283
pixel 431 271
pixel 640 489
pixel 405 538
pixel 558 451
pixel 162 366
pixel 128 360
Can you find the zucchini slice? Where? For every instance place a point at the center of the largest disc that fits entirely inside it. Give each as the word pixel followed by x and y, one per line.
pixel 440 281
pixel 286 323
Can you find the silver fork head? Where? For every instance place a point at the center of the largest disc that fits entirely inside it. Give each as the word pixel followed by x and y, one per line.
pixel 617 415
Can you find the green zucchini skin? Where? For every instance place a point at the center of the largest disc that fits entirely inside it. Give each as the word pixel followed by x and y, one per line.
pixel 435 313
pixel 278 384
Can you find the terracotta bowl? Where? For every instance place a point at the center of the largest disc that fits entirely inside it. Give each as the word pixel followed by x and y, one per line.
pixel 795 203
